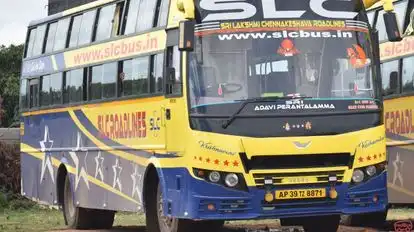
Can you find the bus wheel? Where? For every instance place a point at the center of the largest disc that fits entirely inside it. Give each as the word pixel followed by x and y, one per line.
pixel 374 220
pixel 81 218
pixel 157 222
pixel 321 223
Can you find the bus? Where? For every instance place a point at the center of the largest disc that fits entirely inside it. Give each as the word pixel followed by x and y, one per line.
pixel 198 112
pixel 397 62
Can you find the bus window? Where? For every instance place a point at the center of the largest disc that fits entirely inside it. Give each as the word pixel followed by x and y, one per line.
pixel 116 26
pixel 30 43
pixel 74 82
pixel 135 77
pixel 74 32
pixel 408 75
pixel 110 71
pixel 174 61
pixel 51 34
pixel 39 41
pixel 86 28
pixel 95 83
pixel 56 89
pixel 162 13
pixel 390 77
pixel 34 93
pixel 45 91
pixel 157 68
pixel 371 16
pixel 146 15
pixel 132 16
pixel 61 34
pixel 23 94
pixel 106 15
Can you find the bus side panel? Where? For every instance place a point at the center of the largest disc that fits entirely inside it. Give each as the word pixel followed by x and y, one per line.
pixel 399 123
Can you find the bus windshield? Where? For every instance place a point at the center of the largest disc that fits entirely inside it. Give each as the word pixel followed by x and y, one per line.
pixel 309 56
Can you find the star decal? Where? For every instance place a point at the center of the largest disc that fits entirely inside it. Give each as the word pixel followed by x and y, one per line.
pixel 117 174
pixel 369 158
pixel 216 162
pixel 361 159
pixel 208 160
pixel 46 146
pixel 375 156
pixel 226 163
pixel 136 182
pixel 80 172
pixel 99 166
pixel 235 163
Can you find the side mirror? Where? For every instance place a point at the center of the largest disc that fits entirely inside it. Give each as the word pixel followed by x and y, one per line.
pixel 392 27
pixel 187 36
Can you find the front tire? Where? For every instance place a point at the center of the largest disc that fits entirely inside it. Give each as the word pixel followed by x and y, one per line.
pixel 82 218
pixel 157 222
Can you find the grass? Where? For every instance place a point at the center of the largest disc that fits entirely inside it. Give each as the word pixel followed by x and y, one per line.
pixel 37 219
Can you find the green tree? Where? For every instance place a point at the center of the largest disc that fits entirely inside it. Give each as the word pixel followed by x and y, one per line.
pixel 10 66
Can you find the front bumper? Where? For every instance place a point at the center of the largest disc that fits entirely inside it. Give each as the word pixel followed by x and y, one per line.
pixel 189 198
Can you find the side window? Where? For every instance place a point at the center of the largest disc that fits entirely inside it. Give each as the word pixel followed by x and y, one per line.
pixel 95 82
pixel 74 84
pixel 390 77
pixel 56 88
pixel 135 77
pixel 74 31
pixel 61 34
pixel 174 61
pixel 109 78
pixel 371 17
pixel 132 16
pixel 30 43
pixel 146 15
pixel 86 29
pixel 39 41
pixel 408 75
pixel 106 15
pixel 157 68
pixel 23 94
pixel 45 91
pixel 117 21
pixel 163 13
pixel 51 34
pixel 34 93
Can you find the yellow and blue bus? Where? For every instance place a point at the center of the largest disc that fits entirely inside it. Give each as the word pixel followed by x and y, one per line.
pixel 201 111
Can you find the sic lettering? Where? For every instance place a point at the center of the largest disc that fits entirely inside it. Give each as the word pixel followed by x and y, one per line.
pixel 241 9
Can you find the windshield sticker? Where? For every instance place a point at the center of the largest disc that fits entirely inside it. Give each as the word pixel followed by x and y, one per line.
pixel 284 27
pixel 212 147
pixel 358 57
pixel 287 48
pixel 239 10
pixel 302 126
pixel 363 105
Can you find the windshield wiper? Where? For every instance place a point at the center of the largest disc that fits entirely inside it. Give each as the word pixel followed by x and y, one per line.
pixel 254 100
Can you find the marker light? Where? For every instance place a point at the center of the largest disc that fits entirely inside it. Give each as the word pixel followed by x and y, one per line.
pixel 214 177
pixel 371 170
pixel 358 176
pixel 232 180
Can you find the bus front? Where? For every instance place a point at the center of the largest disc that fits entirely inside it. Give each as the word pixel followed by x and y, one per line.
pixel 285 111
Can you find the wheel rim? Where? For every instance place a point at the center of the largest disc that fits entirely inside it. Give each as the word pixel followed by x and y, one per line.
pixel 69 202
pixel 164 221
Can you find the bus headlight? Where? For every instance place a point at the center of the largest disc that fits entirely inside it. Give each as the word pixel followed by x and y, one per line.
pixel 214 177
pixel 231 180
pixel 371 170
pixel 358 176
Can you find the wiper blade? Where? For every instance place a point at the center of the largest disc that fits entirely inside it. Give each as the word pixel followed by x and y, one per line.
pixel 254 100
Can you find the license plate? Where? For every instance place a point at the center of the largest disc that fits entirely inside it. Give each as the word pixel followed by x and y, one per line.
pixel 300 193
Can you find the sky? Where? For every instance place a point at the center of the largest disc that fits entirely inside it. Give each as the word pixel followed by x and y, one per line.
pixel 15 16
